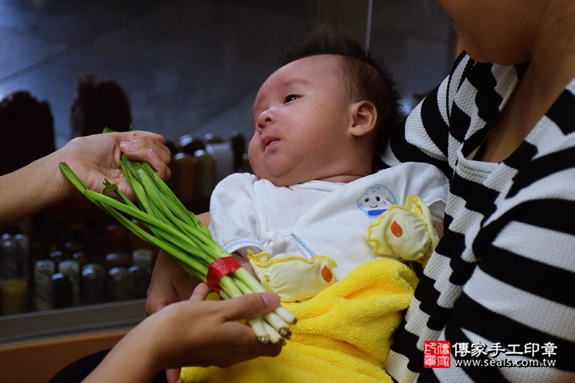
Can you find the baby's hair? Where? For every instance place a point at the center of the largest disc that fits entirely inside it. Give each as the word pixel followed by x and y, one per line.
pixel 367 78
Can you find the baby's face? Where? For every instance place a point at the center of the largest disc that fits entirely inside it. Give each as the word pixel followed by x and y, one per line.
pixel 302 113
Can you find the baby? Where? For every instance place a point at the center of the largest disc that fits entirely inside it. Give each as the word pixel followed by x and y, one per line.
pixel 316 198
pixel 320 120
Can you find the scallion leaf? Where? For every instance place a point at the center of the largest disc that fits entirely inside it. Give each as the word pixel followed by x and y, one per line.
pixel 177 231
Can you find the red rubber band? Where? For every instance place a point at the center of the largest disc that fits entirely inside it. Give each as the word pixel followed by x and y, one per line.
pixel 219 269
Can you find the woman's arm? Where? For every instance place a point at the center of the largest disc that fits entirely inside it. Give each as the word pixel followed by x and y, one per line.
pixel 192 333
pixel 41 184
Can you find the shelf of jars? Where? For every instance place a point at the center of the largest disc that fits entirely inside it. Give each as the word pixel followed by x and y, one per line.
pixel 73 269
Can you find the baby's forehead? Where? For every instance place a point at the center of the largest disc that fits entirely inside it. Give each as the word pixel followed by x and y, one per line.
pixel 306 71
pixel 321 62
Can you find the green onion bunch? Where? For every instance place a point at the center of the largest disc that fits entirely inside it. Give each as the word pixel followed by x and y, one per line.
pixel 177 231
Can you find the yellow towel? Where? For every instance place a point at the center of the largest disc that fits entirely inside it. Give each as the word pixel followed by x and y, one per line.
pixel 342 335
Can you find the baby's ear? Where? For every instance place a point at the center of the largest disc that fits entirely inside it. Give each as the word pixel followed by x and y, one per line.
pixel 364 117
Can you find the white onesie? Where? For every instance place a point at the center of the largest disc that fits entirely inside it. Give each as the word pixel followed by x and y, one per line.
pixel 317 217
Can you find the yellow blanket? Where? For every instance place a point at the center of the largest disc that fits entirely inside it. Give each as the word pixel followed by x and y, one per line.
pixel 342 335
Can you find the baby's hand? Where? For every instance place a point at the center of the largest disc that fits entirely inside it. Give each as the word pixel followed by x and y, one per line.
pixel 405 232
pixel 294 278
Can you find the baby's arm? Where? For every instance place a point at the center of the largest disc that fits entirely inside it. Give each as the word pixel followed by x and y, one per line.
pixel 170 283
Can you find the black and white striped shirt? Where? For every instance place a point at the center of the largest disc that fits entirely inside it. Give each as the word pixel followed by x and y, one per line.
pixel 504 271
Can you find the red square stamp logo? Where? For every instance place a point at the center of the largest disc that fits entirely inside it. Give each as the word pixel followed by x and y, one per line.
pixel 436 354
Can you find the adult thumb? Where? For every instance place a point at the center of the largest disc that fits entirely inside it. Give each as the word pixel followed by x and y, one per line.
pixel 251 305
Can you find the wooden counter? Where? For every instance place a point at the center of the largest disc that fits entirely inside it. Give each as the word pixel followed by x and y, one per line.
pixel 37 362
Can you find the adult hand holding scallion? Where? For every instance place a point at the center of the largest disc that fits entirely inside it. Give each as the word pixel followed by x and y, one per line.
pixel 177 231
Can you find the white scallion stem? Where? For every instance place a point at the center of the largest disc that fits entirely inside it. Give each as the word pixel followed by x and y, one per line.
pixel 242 286
pixel 275 337
pixel 277 323
pixel 223 294
pixel 286 315
pixel 257 325
pixel 228 285
pixel 254 285
pixel 249 280
pixel 274 319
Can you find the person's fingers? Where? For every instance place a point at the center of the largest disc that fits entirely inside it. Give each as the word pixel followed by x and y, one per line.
pixel 173 375
pixel 132 135
pixel 141 148
pixel 200 293
pixel 267 349
pixel 250 305
pixel 149 147
pixel 159 160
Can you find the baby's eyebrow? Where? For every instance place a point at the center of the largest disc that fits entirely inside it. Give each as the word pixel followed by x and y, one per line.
pixel 286 83
pixel 295 81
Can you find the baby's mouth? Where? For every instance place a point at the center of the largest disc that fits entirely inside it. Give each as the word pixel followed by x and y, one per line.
pixel 267 141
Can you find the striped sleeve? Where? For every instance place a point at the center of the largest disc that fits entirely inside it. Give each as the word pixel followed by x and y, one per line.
pixel 518 293
pixel 502 273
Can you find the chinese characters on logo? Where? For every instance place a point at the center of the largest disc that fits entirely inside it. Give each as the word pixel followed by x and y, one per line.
pixel 438 353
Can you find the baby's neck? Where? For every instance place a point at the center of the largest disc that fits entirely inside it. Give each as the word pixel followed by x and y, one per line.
pixel 342 178
pixel 326 175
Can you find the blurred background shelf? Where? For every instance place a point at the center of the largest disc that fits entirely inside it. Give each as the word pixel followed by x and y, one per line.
pixel 194 66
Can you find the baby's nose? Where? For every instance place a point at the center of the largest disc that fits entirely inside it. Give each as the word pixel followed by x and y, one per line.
pixel 264 119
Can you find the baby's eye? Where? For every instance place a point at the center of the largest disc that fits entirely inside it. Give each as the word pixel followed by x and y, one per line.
pixel 289 98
